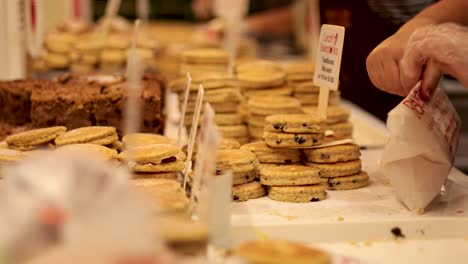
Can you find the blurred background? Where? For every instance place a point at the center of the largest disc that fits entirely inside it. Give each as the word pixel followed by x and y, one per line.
pixel 278 45
pixel 285 30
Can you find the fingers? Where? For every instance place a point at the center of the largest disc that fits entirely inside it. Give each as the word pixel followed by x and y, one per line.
pixel 411 65
pixel 374 67
pixel 383 68
pixel 391 77
pixel 429 80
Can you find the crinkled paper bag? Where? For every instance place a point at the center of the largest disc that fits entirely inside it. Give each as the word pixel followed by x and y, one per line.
pixel 422 146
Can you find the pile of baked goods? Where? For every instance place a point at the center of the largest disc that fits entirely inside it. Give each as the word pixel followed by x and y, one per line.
pixel 280 110
pixel 244 166
pixel 154 161
pixel 223 95
pixel 273 142
pixel 201 60
pixel 298 166
pixel 150 157
pixel 259 107
pixel 294 130
pixel 84 48
pixel 271 89
pixel 299 76
pixel 337 119
pixel 77 100
pixel 340 165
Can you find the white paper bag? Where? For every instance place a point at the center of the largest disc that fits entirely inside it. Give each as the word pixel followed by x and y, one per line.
pixel 420 153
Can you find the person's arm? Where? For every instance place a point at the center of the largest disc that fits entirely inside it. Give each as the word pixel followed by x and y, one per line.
pixel 383 61
pixel 278 21
pixel 202 9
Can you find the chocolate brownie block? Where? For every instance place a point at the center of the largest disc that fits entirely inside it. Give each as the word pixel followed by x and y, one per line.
pixel 98 99
pixel 15 99
pixel 110 105
pixel 65 103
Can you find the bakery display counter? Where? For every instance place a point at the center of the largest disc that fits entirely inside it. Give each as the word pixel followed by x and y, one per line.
pixel 367 225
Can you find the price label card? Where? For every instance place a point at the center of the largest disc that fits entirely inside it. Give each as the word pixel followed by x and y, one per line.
pixel 328 58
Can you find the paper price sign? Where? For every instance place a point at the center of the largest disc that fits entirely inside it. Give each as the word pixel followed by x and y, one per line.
pixel 328 61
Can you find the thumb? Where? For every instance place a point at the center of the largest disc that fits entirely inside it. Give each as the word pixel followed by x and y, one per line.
pixel 429 80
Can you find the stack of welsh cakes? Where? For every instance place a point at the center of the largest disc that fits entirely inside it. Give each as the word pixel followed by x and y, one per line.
pixel 337 120
pixel 300 77
pixel 294 130
pixel 223 94
pixel 154 161
pixel 84 52
pixel 340 165
pixel 286 178
pixel 34 139
pixel 259 107
pixel 57 48
pixel 224 143
pixel 262 78
pixel 295 182
pixel 269 155
pixel 99 141
pixel 142 139
pixel 204 60
pixel 98 135
pixel 243 164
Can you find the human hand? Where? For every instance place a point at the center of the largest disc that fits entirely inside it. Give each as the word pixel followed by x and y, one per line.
pixel 383 64
pixel 432 50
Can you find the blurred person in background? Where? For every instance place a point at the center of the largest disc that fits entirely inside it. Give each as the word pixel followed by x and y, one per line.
pixel 367 23
pixel 270 22
pixel 423 49
pixel 266 17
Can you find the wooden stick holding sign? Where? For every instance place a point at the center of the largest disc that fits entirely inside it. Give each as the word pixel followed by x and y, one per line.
pixel 193 133
pixel 206 156
pixel 188 81
pixel 134 72
pixel 328 63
